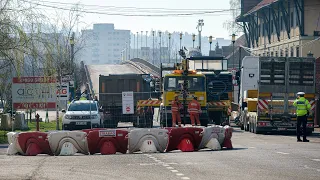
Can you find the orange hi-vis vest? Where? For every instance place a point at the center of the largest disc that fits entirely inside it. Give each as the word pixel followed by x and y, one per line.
pixel 194 107
pixel 175 106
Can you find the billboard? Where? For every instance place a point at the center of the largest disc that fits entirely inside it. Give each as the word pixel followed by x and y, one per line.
pixel 34 92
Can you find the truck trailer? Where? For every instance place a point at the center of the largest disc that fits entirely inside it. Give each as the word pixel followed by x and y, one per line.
pixel 268 89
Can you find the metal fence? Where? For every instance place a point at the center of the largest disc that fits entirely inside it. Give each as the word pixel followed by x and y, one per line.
pixel 115 112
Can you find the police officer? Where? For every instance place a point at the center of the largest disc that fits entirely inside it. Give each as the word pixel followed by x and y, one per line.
pixel 303 108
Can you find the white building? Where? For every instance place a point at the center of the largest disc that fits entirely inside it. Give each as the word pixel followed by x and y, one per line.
pixel 104 44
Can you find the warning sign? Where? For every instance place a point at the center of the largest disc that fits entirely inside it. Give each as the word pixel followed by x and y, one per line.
pixel 127 103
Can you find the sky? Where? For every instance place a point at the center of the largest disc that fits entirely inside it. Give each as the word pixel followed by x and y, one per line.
pixel 213 23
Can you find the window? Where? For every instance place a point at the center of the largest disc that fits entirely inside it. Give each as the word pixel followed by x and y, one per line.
pixel 297 52
pixel 286 53
pixel 281 53
pixel 271 54
pixel 271 27
pixel 82 107
pixel 175 83
pixel 277 54
pixel 291 52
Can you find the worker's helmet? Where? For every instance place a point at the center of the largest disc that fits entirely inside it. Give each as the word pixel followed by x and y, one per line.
pixel 300 93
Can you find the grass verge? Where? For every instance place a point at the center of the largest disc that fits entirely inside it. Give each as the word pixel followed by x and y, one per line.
pixel 50 126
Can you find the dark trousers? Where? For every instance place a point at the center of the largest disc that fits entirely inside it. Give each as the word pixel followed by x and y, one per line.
pixel 302 120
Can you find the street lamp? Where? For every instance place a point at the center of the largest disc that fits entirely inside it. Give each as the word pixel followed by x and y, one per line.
pixel 210 41
pixel 180 39
pixel 199 27
pixel 137 44
pixel 169 47
pixel 153 47
pixel 233 41
pixel 193 39
pixel 160 45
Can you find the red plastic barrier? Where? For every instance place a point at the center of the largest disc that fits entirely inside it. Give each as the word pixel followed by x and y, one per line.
pixel 107 141
pixel 227 140
pixel 34 143
pixel 184 139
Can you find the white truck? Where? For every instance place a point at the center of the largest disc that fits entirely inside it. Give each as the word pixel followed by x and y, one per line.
pixel 268 89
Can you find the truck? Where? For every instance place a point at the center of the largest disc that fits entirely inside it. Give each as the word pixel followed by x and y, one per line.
pixel 110 96
pixel 268 89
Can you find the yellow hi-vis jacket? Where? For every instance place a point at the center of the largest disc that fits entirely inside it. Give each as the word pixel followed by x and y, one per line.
pixel 302 105
pixel 83 98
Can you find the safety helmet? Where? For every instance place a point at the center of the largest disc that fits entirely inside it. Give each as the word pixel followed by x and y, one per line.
pixel 300 93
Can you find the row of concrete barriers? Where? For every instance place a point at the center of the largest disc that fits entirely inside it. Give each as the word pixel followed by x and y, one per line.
pixel 111 141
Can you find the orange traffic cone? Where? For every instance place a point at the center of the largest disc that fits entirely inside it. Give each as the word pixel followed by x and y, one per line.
pixel 33 149
pixel 186 145
pixel 108 148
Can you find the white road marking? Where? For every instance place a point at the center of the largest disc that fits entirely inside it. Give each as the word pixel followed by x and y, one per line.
pixel 316 160
pixel 165 165
pixel 185 178
pixel 252 147
pixel 282 153
pixel 179 174
pixel 170 167
pixel 175 171
pixel 158 160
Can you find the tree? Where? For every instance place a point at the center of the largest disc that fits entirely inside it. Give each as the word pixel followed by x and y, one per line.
pixel 231 25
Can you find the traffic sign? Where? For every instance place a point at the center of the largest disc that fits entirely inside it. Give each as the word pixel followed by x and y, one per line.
pixel 127 103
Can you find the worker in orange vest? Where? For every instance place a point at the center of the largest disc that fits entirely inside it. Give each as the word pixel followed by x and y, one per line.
pixel 194 110
pixel 175 108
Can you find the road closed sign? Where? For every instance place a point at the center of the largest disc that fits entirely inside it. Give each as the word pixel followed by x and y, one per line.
pixel 127 103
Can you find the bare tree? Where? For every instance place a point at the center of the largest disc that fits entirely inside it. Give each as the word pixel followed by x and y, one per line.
pixel 231 25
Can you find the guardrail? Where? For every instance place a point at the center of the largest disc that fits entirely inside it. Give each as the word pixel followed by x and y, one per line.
pixel 148 64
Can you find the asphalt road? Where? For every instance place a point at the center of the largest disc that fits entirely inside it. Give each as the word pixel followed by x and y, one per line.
pixel 253 157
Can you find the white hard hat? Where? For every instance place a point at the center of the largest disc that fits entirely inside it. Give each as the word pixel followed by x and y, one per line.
pixel 300 93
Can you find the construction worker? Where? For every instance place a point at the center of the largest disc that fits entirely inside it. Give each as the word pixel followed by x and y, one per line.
pixel 175 108
pixel 194 110
pixel 303 108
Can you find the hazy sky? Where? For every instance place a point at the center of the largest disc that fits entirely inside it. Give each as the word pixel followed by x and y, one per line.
pixel 213 23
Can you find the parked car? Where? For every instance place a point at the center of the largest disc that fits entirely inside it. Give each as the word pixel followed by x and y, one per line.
pixel 81 114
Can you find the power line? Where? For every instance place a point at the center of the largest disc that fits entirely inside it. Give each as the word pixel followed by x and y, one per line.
pixel 123 7
pixel 124 14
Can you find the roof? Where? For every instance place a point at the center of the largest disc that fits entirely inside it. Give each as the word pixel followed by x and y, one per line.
pixel 261 5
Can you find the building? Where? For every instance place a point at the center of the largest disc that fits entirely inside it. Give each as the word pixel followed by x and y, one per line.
pixel 104 44
pixel 288 28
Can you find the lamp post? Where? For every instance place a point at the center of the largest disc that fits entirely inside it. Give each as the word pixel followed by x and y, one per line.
pixel 233 41
pixel 210 41
pixel 180 39
pixel 193 39
pixel 147 50
pixel 199 27
pixel 153 47
pixel 137 44
pixel 160 45
pixel 169 47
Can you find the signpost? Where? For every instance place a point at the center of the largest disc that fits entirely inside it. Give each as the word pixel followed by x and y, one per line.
pixel 127 103
pixel 64 92
pixel 34 92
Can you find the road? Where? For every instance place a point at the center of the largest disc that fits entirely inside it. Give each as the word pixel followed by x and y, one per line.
pixel 254 156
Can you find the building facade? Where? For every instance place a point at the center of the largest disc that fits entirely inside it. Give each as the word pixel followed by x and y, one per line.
pixel 104 44
pixel 289 28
